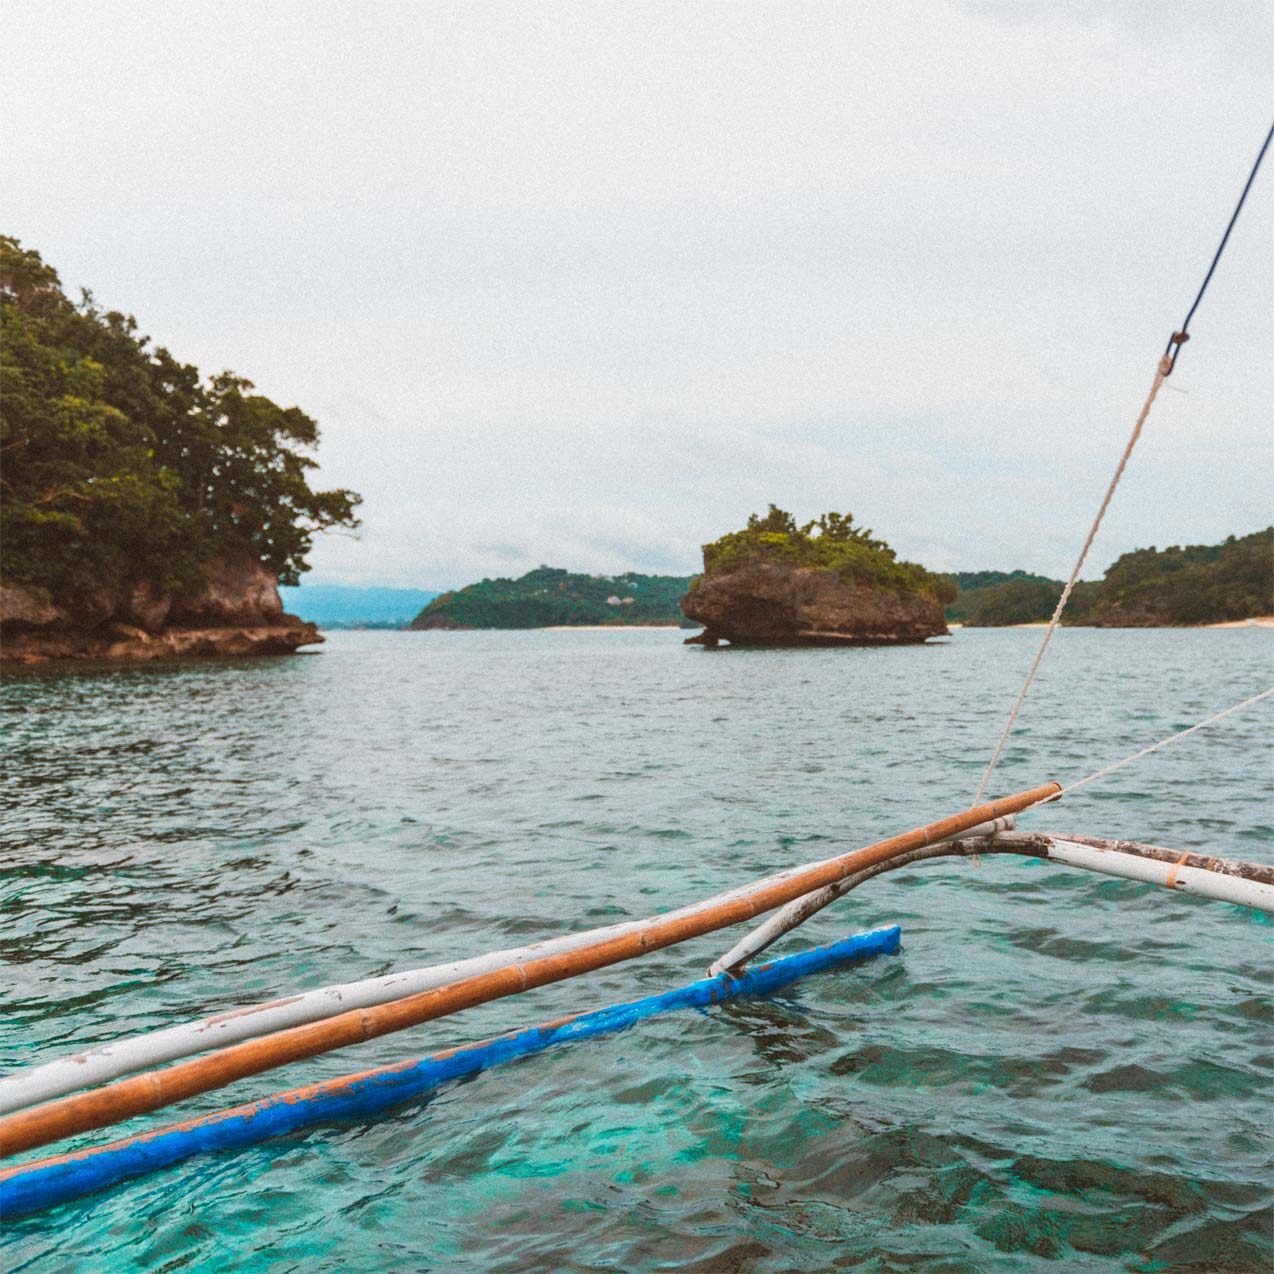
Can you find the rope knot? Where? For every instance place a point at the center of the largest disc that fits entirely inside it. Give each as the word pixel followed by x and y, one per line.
pixel 1169 359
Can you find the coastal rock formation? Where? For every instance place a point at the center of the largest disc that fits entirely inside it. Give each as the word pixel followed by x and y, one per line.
pixel 767 603
pixel 241 591
pixel 26 608
pixel 238 613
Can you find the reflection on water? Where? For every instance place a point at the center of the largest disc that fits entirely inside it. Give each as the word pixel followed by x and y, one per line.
pixel 1055 1069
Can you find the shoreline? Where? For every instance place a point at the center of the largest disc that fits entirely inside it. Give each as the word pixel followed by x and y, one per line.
pixel 1257 621
pixel 545 628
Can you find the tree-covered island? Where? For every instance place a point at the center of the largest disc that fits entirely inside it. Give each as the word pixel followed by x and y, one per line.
pixel 551 598
pixel 828 582
pixel 138 498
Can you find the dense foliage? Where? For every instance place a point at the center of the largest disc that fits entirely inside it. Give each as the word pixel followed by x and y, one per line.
pixel 988 598
pixel 1197 584
pixel 547 597
pixel 830 543
pixel 121 463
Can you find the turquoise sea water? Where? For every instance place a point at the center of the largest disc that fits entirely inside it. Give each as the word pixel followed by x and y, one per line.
pixel 1057 1071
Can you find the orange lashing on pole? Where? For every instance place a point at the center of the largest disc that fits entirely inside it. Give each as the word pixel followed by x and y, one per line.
pixel 1171 882
pixel 140 1094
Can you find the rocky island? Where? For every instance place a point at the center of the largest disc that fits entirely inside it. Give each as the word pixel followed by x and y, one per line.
pixel 828 583
pixel 145 511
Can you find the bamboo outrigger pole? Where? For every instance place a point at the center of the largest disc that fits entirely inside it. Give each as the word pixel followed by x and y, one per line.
pixel 799 911
pixel 32 1085
pixel 153 1090
pixel 1201 876
pixel 42 1183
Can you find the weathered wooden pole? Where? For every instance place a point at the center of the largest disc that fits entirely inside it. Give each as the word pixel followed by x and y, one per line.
pixel 798 912
pixel 42 1183
pixel 1202 876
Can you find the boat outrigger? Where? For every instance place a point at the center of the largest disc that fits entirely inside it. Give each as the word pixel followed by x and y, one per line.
pixel 44 1104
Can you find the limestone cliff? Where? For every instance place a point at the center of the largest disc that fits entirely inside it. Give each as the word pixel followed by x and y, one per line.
pixel 768 603
pixel 238 613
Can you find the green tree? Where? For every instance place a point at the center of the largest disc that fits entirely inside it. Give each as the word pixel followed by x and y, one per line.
pixel 839 546
pixel 118 462
pixel 776 522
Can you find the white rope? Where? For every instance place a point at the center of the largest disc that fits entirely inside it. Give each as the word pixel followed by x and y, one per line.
pixel 1165 366
pixel 1163 743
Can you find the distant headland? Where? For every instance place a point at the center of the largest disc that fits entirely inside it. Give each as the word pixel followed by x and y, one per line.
pixel 551 598
pixel 1148 588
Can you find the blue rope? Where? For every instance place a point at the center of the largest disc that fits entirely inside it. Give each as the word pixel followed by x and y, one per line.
pixel 1179 338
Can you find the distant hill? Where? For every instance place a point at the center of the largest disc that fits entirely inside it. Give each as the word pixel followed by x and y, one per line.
pixel 548 597
pixel 1197 584
pixel 1147 588
pixel 989 597
pixel 336 606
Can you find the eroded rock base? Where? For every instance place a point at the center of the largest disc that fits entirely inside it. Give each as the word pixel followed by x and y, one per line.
pixel 773 604
pixel 122 642
pixel 238 613
pixel 712 640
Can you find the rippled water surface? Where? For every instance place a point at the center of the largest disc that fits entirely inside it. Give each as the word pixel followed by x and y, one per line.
pixel 1057 1071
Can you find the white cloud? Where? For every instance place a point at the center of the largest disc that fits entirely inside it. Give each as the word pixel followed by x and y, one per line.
pixel 587 284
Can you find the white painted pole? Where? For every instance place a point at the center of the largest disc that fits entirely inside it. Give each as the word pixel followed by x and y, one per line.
pixel 1182 879
pixel 797 913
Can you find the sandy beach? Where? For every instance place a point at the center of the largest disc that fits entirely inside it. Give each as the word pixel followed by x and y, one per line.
pixel 1259 621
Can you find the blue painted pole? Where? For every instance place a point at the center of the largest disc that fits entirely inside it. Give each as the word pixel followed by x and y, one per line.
pixel 43 1183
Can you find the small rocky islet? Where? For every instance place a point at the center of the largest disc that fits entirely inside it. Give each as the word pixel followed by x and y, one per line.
pixel 827 583
pixel 830 583
pixel 771 604
pixel 146 511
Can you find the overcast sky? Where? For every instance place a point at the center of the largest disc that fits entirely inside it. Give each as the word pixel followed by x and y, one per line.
pixel 585 284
